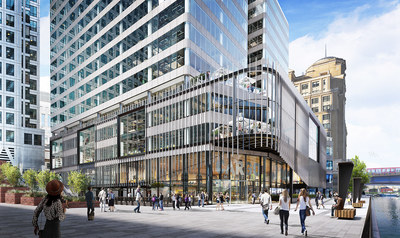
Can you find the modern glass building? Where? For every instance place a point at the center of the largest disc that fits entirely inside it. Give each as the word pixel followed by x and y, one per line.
pixel 21 139
pixel 160 91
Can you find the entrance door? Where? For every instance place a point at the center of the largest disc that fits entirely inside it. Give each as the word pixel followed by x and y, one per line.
pixel 239 191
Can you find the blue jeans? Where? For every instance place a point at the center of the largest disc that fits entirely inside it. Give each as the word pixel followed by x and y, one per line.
pixel 162 204
pixel 265 214
pixel 137 207
pixel 199 202
pixel 202 202
pixel 302 214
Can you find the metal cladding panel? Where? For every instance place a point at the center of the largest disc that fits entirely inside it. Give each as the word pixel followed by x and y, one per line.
pixel 345 170
pixel 356 188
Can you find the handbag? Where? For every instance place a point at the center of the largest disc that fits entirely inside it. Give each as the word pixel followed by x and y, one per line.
pixel 308 211
pixel 277 210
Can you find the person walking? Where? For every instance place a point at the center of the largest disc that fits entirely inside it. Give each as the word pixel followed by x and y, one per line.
pixel 227 198
pixel 186 200
pixel 111 200
pixel 221 200
pixel 202 197
pixel 217 199
pixel 153 201
pixel 173 198
pixel 190 201
pixel 89 202
pixel 284 204
pixel 161 202
pixel 138 197
pixel 53 210
pixel 321 200
pixel 178 201
pixel 316 199
pixel 266 204
pixel 198 199
pixel 253 198
pixel 303 200
pixel 103 200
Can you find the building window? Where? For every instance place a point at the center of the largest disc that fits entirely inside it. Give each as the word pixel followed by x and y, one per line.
pixel 33 11
pixel 255 41
pixel 304 86
pixel 326 108
pixel 9 118
pixel 132 133
pixel 10 36
pixel 327 125
pixel 9 53
pixel 315 86
pixel 329 165
pixel 10 5
pixel 326 117
pixel 27 139
pixel 33 55
pixel 9 136
pixel 10 86
pixel 9 102
pixel 314 100
pixel 33 41
pixel 10 69
pixel 315 109
pixel 37 139
pixel 326 98
pixel 10 20
pixel 86 145
pixel 33 26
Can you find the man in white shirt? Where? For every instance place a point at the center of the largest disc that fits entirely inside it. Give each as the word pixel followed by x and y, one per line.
pixel 102 199
pixel 266 204
pixel 138 196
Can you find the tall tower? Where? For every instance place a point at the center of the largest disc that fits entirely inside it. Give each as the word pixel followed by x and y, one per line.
pixel 324 89
pixel 21 140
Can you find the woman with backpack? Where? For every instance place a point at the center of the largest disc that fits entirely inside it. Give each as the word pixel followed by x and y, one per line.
pixel 284 204
pixel 111 199
pixel 303 200
pixel 154 201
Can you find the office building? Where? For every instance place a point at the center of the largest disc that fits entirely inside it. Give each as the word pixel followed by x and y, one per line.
pixel 323 87
pixel 143 93
pixel 21 139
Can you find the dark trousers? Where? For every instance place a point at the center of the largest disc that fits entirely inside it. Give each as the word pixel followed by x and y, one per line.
pixel 173 204
pixel 284 215
pixel 90 209
pixel 186 205
pixel 51 229
pixel 177 204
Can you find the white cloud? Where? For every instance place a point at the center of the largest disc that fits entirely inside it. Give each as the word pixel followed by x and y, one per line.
pixel 45 54
pixel 371 49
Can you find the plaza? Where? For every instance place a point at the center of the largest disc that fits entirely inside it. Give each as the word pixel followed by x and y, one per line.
pixel 238 220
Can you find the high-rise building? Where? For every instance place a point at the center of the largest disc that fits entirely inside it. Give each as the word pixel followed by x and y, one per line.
pixel 21 139
pixel 153 91
pixel 45 125
pixel 323 87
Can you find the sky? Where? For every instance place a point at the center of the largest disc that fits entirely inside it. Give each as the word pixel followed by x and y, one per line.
pixel 366 33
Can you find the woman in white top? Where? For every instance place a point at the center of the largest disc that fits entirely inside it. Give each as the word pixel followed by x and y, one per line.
pixel 284 203
pixel 303 200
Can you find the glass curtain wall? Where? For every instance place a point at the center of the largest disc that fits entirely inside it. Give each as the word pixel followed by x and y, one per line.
pixel 87 145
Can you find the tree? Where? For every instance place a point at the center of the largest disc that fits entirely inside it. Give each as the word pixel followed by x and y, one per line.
pixel 13 175
pixel 3 170
pixel 78 182
pixel 44 177
pixel 359 170
pixel 30 177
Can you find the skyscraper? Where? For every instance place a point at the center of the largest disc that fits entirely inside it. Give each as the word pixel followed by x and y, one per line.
pixel 324 89
pixel 21 140
pixel 160 91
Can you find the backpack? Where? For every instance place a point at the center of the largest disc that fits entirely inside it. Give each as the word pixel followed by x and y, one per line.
pixel 153 199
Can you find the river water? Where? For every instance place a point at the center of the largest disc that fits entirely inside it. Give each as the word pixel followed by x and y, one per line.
pixel 387 213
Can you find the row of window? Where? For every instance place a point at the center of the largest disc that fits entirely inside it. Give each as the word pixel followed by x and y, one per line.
pixel 325 108
pixel 36 140
pixel 324 99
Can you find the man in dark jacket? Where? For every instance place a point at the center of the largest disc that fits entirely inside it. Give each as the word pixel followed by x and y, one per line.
pixel 89 201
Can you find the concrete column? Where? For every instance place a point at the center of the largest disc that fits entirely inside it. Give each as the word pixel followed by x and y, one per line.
pixel 149 47
pixel 360 191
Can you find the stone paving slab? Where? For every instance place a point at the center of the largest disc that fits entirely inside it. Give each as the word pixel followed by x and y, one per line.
pixel 238 220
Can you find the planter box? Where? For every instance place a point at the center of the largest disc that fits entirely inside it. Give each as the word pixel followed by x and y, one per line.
pixel 3 191
pixel 81 204
pixel 32 201
pixel 358 205
pixel 14 198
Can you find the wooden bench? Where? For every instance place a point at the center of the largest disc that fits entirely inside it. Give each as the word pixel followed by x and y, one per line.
pixel 346 213
pixel 362 201
pixel 358 204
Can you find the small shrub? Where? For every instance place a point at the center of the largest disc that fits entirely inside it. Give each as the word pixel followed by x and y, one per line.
pixel 30 177
pixel 35 194
pixel 78 182
pixel 44 177
pixel 16 191
pixel 75 199
pixel 5 185
pixel 13 175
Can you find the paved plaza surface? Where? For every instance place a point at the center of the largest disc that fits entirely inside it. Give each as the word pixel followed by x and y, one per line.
pixel 238 220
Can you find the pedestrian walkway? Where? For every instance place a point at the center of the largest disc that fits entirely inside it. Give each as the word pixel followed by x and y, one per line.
pixel 238 220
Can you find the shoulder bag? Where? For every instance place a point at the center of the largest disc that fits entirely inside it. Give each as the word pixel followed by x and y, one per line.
pixel 277 210
pixel 308 211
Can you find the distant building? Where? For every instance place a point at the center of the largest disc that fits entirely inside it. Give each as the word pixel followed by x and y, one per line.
pixel 324 89
pixel 386 190
pixel 21 140
pixel 45 125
